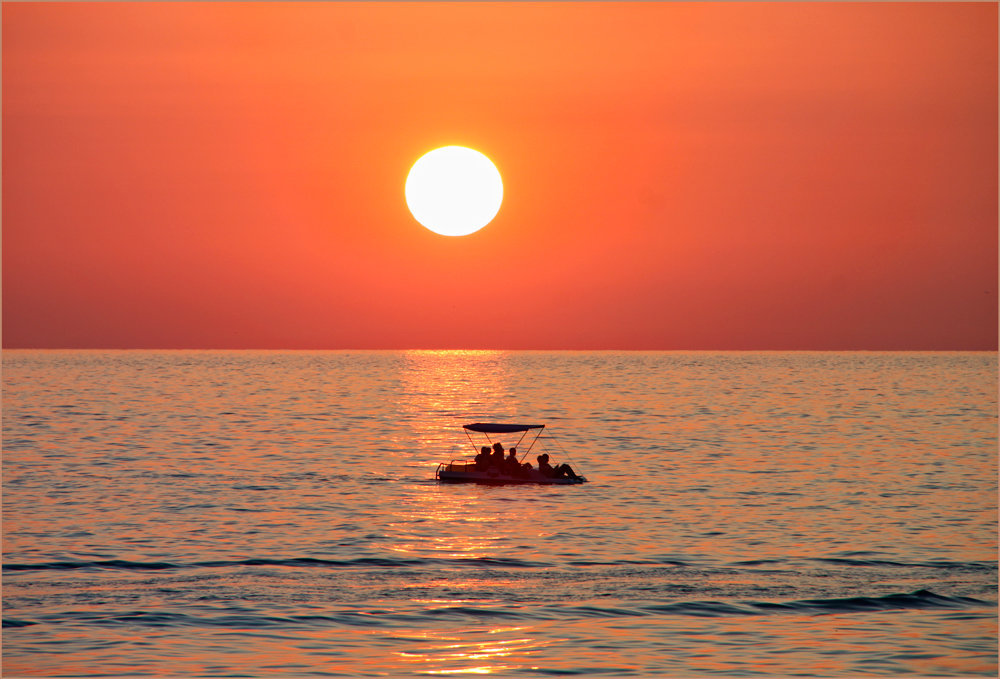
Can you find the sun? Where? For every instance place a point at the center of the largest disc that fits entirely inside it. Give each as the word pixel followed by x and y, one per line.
pixel 454 190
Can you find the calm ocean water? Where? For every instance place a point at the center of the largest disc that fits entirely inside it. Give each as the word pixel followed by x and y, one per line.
pixel 266 513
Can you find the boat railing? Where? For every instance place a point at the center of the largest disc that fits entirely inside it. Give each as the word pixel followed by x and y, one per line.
pixel 456 466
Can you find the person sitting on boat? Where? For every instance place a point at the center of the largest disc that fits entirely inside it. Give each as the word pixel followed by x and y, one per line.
pixel 511 466
pixel 496 460
pixel 558 472
pixel 483 459
pixel 544 467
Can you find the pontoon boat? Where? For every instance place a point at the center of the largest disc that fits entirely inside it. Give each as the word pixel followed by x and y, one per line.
pixel 466 471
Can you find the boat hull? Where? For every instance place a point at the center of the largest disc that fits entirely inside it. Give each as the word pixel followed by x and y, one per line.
pixel 471 476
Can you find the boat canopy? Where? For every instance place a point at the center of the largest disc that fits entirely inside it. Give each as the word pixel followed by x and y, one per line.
pixel 486 428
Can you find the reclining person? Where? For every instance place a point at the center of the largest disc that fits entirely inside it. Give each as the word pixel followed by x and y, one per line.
pixel 561 471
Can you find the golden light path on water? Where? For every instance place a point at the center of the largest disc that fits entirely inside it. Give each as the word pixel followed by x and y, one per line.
pixel 445 383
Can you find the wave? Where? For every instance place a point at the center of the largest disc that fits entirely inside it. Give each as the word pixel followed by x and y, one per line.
pixel 963 565
pixel 921 599
pixel 873 563
pixel 478 562
pixel 246 619
pixel 294 562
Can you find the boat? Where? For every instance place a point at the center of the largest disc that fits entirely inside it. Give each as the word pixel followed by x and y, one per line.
pixel 465 471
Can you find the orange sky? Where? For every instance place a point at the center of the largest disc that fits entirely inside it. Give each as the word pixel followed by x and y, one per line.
pixel 677 176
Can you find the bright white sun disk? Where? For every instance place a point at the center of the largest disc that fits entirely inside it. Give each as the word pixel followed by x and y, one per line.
pixel 454 190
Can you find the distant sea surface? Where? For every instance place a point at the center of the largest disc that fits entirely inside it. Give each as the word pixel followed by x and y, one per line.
pixel 275 513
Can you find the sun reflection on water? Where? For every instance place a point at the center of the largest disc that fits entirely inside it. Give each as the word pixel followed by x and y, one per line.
pixel 501 649
pixel 442 391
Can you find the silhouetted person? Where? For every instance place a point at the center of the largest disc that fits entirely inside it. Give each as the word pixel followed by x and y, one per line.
pixel 511 466
pixel 559 472
pixel 544 467
pixel 483 459
pixel 496 459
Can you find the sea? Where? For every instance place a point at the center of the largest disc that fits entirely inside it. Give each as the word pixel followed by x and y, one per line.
pixel 271 513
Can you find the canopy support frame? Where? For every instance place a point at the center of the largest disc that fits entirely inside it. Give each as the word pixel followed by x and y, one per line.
pixel 524 432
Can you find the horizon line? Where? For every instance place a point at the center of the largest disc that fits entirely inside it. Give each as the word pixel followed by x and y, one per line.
pixel 524 349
